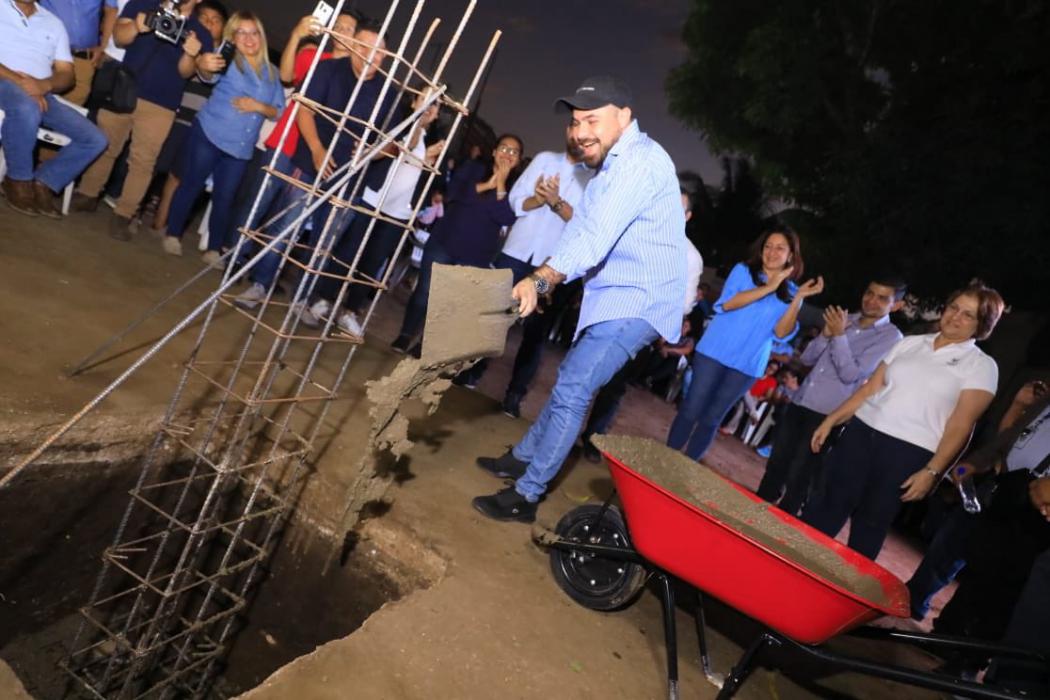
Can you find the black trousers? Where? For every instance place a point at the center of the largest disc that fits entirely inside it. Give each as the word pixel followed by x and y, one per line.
pixel 792 467
pixel 861 483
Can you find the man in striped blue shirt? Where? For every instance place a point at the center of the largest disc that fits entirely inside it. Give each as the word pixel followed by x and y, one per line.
pixel 628 243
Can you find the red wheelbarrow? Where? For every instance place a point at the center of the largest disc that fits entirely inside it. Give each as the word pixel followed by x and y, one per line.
pixel 681 520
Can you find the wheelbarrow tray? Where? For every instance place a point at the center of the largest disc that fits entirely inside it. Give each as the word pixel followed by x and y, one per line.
pixel 695 545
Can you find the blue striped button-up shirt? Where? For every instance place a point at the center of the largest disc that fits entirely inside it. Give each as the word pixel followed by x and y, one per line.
pixel 628 239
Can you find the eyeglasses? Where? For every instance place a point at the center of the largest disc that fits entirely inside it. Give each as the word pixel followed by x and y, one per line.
pixel 965 313
pixel 509 150
pixel 251 33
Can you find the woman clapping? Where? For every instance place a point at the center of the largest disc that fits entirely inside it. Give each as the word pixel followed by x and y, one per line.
pixel 759 303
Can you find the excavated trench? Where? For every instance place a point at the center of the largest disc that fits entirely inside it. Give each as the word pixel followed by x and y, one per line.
pixel 58 517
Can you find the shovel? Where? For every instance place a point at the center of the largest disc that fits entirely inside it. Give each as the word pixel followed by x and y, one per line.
pixel 468 315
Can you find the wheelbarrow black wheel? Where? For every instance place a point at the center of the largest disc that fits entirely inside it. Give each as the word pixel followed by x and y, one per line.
pixel 595 582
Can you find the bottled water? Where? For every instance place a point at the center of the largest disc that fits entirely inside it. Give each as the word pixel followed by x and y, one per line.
pixel 968 494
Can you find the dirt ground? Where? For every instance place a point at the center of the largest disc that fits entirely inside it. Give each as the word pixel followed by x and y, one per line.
pixel 493 622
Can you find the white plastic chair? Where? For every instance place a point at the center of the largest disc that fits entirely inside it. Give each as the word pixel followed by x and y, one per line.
pixel 755 431
pixel 55 139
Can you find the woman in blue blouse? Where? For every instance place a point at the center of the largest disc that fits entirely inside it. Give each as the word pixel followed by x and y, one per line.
pixel 759 303
pixel 223 136
pixel 469 233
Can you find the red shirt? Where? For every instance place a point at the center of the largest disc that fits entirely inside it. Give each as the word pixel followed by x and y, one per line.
pixel 302 66
pixel 763 386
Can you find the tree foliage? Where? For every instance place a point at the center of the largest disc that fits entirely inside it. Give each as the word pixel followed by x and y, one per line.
pixel 909 135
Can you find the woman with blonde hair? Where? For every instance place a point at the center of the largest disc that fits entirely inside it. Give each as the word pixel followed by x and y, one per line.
pixel 220 145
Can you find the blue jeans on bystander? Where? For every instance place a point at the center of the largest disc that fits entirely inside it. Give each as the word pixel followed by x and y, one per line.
pixel 23 117
pixel 293 202
pixel 714 390
pixel 203 158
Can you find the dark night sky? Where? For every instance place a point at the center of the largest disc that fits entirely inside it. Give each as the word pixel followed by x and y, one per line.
pixel 548 47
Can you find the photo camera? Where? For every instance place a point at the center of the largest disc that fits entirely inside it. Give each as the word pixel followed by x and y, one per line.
pixel 166 22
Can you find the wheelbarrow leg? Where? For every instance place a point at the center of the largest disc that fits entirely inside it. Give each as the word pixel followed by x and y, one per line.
pixel 670 636
pixel 701 634
pixel 739 673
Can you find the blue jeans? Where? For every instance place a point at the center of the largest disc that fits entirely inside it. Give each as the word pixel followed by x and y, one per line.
pixel 597 355
pixel 416 312
pixel 293 201
pixel 607 403
pixel 861 482
pixel 23 117
pixel 203 158
pixel 944 559
pixel 714 390
pixel 257 183
pixel 382 244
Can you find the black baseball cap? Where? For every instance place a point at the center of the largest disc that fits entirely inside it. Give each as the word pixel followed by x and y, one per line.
pixel 594 92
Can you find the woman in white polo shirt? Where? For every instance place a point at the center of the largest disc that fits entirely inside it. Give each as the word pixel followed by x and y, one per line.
pixel 908 423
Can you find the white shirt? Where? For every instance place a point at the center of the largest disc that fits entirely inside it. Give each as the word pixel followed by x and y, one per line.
pixel 1032 446
pixel 923 386
pixel 535 234
pixel 32 44
pixel 112 50
pixel 694 268
pixel 402 179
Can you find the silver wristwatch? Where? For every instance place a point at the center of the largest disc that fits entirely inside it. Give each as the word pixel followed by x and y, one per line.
pixel 542 285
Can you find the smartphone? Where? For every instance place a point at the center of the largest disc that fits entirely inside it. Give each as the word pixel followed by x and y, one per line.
pixel 323 12
pixel 227 50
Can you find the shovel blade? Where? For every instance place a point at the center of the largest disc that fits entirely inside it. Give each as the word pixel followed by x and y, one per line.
pixel 468 314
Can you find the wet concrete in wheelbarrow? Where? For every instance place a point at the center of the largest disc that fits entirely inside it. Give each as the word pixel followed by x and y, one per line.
pixel 758 521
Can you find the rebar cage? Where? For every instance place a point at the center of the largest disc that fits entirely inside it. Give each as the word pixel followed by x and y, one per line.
pixel 225 469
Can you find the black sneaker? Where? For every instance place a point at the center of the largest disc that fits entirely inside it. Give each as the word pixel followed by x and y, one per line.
pixel 400 344
pixel 506 466
pixel 512 405
pixel 590 452
pixel 507 504
pixel 416 351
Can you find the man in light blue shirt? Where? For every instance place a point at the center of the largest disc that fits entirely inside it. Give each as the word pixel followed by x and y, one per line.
pixel 89 24
pixel 628 242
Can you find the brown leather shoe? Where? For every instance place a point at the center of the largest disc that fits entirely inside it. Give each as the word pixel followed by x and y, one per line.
pixel 20 196
pixel 45 200
pixel 81 202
